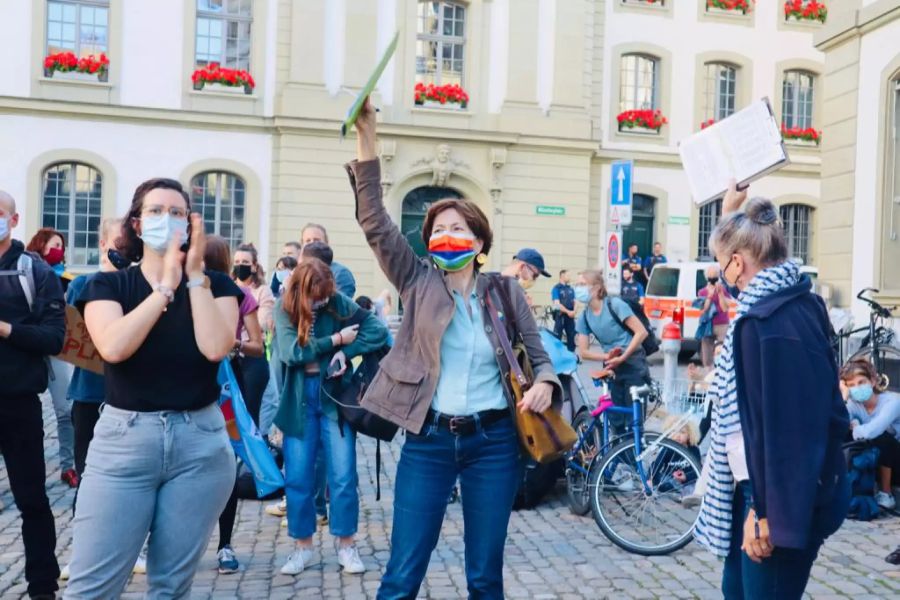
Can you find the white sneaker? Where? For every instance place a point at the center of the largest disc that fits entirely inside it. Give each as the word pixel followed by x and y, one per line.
pixel 284 522
pixel 885 500
pixel 64 574
pixel 299 559
pixel 277 510
pixel 348 557
pixel 140 565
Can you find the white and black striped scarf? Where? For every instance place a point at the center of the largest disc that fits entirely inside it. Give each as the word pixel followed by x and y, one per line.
pixel 713 528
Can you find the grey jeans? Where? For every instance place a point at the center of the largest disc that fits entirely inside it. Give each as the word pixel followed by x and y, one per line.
pixel 166 473
pixel 62 406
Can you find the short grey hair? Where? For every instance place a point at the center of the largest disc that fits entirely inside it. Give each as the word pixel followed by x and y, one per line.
pixel 758 231
pixel 9 201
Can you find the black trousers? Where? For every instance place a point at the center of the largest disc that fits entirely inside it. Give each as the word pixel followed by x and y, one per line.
pixel 565 324
pixel 889 455
pixel 22 445
pixel 84 416
pixel 253 382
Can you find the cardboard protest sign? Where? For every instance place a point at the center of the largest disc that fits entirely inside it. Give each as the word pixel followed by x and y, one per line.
pixel 78 349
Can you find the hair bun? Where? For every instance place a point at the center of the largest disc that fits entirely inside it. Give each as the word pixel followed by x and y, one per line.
pixel 761 211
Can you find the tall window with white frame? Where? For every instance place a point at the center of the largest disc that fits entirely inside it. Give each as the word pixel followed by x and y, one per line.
pixel 709 217
pixel 71 203
pixel 440 43
pixel 639 82
pixel 220 198
pixel 223 33
pixel 78 26
pixel 797 220
pixel 797 99
pixel 720 90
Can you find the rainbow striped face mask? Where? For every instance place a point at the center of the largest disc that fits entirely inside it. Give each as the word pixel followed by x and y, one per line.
pixel 452 251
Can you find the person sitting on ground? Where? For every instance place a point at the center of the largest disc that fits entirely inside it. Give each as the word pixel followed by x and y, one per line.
pixel 874 416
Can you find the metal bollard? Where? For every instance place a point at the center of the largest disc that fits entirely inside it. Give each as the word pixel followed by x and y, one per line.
pixel 671 346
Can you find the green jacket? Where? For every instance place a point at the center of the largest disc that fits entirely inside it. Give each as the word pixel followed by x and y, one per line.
pixel 372 335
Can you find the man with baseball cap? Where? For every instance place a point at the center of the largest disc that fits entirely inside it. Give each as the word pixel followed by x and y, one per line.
pixel 526 266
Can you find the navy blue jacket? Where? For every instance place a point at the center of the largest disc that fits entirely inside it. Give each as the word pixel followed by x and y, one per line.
pixel 792 416
pixel 36 333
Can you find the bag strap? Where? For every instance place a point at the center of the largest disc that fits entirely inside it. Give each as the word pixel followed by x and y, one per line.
pixel 615 317
pixel 504 339
pixel 497 284
pixel 25 272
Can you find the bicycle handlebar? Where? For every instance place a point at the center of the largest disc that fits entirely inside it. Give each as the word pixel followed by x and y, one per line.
pixel 882 311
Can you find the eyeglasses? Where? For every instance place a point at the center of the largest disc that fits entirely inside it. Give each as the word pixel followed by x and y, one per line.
pixel 157 211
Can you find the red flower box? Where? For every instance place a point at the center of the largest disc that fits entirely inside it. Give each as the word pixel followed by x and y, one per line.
pixel 67 62
pixel 441 94
pixel 808 134
pixel 707 123
pixel 213 73
pixel 642 119
pixel 805 10
pixel 744 6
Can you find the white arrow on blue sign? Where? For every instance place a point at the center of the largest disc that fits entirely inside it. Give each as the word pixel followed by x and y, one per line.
pixel 620 198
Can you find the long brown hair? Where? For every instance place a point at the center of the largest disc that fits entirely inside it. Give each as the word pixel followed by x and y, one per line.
pixel 259 277
pixel 312 279
pixel 217 255
pixel 42 237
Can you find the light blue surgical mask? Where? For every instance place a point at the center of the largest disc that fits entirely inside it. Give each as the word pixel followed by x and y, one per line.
pixel 861 393
pixel 158 231
pixel 281 275
pixel 4 229
pixel 583 294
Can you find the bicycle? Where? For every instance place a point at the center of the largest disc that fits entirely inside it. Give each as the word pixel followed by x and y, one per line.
pixel 633 483
pixel 544 316
pixel 876 345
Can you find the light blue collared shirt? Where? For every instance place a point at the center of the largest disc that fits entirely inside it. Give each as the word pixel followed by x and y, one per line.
pixel 470 378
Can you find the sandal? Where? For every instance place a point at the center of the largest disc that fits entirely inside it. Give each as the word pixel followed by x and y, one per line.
pixel 894 557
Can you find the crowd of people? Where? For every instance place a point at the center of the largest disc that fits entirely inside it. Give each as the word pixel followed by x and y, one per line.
pixel 145 441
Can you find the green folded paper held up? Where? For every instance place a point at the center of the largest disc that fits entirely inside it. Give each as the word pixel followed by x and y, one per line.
pixel 353 113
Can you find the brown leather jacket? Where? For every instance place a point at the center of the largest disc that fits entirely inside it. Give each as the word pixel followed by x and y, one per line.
pixel 405 385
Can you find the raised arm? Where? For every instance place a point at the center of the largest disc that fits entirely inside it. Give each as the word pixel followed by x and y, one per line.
pixel 394 254
pixel 215 319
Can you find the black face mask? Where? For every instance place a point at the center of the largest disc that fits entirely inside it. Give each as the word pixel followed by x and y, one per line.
pixel 242 272
pixel 712 280
pixel 117 260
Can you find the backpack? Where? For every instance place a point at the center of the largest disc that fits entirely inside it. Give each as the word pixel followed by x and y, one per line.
pixel 348 393
pixel 650 343
pixel 25 272
pixel 862 467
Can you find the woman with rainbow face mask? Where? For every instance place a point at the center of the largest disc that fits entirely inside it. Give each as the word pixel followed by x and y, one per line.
pixel 446 381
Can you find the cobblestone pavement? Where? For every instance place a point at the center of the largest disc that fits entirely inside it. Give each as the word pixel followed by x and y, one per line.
pixel 550 553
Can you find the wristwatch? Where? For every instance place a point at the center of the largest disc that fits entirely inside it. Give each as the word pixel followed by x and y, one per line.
pixel 198 282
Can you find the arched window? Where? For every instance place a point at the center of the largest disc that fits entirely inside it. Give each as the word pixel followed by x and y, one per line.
pixel 71 203
pixel 710 215
pixel 220 197
pixel 415 205
pixel 638 82
pixel 797 99
pixel 797 219
pixel 720 86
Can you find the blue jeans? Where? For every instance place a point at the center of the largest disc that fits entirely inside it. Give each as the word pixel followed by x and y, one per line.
pixel 168 473
pixel 487 464
pixel 782 576
pixel 339 446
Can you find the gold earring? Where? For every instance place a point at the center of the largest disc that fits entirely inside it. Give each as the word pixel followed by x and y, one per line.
pixel 481 258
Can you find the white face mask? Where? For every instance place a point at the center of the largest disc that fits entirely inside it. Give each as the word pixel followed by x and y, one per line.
pixel 158 231
pixel 4 228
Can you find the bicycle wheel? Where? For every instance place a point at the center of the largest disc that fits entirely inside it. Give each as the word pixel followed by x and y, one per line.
pixel 576 481
pixel 637 504
pixel 886 361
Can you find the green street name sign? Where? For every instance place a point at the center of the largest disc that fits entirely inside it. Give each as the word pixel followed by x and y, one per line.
pixel 675 220
pixel 551 211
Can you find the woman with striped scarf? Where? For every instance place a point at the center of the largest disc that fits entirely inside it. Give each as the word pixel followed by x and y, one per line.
pixel 777 477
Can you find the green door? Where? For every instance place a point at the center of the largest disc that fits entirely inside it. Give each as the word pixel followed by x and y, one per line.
pixel 640 231
pixel 415 205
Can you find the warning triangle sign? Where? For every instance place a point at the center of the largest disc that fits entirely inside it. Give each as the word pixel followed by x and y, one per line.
pixel 614 215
